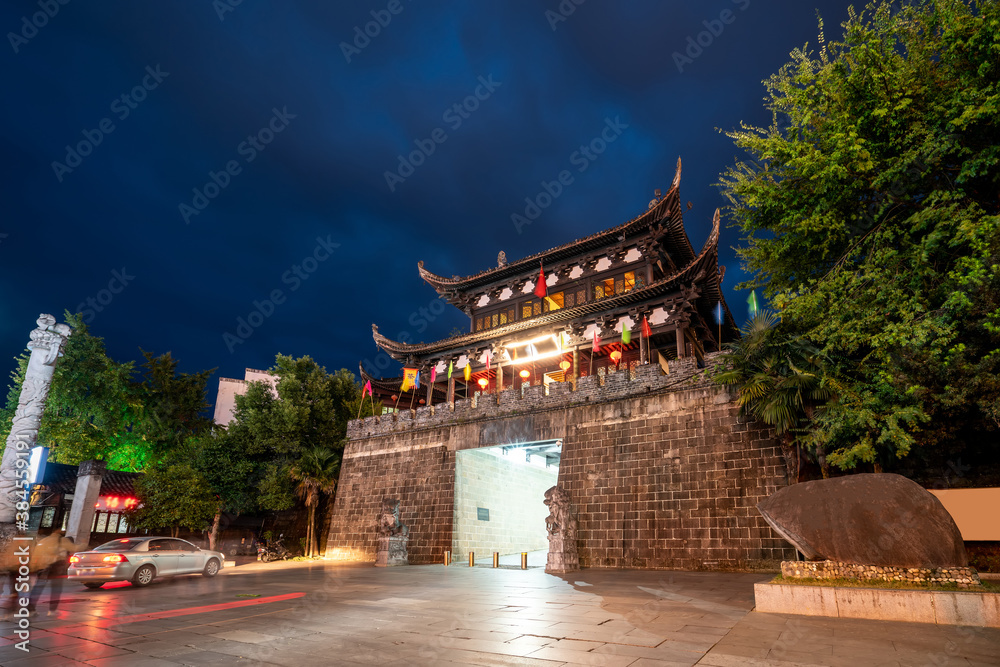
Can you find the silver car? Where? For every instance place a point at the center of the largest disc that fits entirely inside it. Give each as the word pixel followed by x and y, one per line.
pixel 140 560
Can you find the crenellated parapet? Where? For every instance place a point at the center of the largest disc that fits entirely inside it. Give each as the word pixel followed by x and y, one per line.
pixel 592 389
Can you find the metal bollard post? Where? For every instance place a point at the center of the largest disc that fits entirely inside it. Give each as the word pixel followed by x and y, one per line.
pixel 447 558
pixel 496 559
pixel 472 559
pixel 524 560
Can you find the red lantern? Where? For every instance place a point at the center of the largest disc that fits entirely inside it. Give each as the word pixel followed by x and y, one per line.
pixel 564 365
pixel 616 356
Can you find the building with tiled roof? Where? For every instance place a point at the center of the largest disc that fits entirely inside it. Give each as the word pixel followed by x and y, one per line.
pixel 603 284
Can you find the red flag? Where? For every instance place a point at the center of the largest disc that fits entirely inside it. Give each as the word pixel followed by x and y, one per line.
pixel 597 342
pixel 487 360
pixel 434 374
pixel 646 331
pixel 540 291
pixel 366 390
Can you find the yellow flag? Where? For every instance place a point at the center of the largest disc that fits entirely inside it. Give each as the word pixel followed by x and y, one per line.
pixel 468 372
pixel 409 378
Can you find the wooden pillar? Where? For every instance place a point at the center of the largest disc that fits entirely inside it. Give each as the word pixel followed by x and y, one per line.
pixel 451 392
pixel 576 365
pixel 499 381
pixel 680 341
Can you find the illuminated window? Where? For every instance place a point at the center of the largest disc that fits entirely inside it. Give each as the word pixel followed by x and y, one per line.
pixel 639 282
pixel 503 318
pixel 496 318
pixel 479 324
pixel 554 301
pixel 570 299
pixel 536 307
pixel 629 281
pixel 526 310
pixel 619 286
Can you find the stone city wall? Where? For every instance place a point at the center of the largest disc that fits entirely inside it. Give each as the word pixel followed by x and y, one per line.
pixel 662 470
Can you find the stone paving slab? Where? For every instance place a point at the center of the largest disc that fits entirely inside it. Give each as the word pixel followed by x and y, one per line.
pixel 432 615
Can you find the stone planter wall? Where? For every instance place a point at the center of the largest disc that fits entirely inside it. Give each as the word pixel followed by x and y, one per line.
pixel 964 577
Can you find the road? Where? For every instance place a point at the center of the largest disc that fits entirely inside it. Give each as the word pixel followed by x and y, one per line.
pixel 304 614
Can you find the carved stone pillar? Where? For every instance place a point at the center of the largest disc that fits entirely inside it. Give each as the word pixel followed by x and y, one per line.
pixel 680 340
pixel 46 348
pixel 88 490
pixel 561 525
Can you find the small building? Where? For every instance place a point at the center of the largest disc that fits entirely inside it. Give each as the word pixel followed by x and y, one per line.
pixel 52 498
pixel 229 389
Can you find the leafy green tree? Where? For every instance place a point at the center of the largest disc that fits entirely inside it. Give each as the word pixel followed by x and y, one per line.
pixel 98 409
pixel 90 407
pixel 174 496
pixel 780 383
pixel 871 206
pixel 316 475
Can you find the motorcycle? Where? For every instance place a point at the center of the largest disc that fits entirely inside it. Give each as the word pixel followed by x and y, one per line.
pixel 273 550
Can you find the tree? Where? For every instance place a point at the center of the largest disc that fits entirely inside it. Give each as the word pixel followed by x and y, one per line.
pixel 97 409
pixel 91 404
pixel 871 206
pixel 779 382
pixel 316 474
pixel 174 496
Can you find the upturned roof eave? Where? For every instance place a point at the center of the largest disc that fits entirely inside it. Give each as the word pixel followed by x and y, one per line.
pixel 697 271
pixel 668 209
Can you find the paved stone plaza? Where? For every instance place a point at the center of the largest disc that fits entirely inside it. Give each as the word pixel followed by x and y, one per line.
pixel 432 615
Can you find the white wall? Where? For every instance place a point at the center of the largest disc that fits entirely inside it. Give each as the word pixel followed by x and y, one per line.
pixel 514 495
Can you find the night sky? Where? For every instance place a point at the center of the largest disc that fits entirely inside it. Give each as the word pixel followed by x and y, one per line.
pixel 115 115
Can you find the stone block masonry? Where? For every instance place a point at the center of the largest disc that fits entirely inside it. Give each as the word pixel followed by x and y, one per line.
pixel 663 471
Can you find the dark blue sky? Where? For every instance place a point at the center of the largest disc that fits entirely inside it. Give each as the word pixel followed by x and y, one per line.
pixel 309 190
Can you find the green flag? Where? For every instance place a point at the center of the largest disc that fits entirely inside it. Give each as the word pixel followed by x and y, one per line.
pixel 626 335
pixel 752 303
pixel 451 365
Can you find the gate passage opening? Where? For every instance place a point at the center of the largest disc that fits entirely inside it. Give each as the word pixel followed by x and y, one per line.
pixel 499 500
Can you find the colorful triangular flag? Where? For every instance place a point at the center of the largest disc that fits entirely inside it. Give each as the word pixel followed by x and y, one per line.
pixel 488 355
pixel 540 289
pixel 416 380
pixel 434 374
pixel 646 330
pixel 597 342
pixel 752 303
pixel 451 367
pixel 626 334
pixel 366 390
pixel 468 372
pixel 718 312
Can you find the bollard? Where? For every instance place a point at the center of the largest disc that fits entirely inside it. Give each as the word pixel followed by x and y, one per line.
pixel 496 559
pixel 447 558
pixel 524 560
pixel 472 559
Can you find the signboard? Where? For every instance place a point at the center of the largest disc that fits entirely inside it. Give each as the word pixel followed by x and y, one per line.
pixel 482 513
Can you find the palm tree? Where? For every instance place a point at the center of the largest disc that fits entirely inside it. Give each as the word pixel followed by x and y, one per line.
pixel 779 382
pixel 316 473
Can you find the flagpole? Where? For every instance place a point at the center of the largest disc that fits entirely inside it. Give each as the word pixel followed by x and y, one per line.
pixel 372 396
pixel 395 408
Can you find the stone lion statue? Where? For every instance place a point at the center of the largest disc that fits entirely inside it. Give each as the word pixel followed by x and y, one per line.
pixel 388 519
pixel 560 520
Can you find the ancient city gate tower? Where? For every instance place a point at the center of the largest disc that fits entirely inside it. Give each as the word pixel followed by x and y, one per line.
pixel 592 375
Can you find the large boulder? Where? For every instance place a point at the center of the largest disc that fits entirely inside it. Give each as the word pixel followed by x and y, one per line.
pixel 870 519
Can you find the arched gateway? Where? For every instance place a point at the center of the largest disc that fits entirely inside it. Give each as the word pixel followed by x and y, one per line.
pixel 584 365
